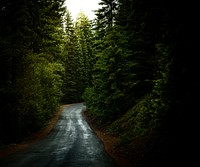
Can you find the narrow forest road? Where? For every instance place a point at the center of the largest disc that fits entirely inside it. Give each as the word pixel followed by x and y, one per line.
pixel 71 143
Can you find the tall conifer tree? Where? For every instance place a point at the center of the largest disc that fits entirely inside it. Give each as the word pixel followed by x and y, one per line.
pixel 72 87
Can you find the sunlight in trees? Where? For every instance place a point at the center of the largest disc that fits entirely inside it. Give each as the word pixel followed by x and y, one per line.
pixel 86 6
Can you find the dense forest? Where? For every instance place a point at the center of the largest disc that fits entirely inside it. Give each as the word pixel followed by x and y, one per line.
pixel 135 67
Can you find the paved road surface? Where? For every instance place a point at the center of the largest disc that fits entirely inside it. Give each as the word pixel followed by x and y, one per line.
pixel 70 144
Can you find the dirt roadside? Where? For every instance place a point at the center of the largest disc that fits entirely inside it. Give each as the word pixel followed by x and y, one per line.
pixel 12 148
pixel 110 143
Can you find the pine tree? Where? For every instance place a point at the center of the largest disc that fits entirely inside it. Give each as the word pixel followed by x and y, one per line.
pixel 72 87
pixel 106 14
pixel 85 41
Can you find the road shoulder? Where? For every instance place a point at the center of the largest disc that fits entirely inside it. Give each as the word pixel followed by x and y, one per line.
pixel 110 143
pixel 33 138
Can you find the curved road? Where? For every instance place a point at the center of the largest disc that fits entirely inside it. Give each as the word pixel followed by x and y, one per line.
pixel 70 144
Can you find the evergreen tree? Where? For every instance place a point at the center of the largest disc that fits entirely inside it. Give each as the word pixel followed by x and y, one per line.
pixel 72 87
pixel 85 37
pixel 107 13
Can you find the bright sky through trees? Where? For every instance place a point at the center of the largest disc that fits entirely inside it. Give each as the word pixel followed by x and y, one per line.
pixel 87 6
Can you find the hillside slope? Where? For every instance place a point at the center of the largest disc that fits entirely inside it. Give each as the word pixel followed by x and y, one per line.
pixel 133 141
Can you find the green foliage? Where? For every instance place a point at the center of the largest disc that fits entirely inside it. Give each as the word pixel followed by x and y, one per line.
pixel 125 60
pixel 31 70
pixel 137 73
pixel 73 82
pixel 149 112
pixel 50 79
pixel 106 14
pixel 78 54
pixel 111 76
pixel 84 35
